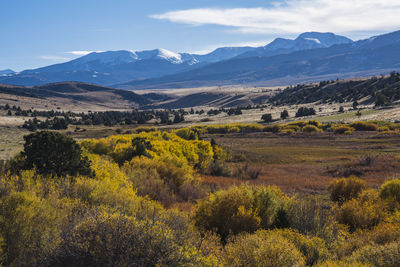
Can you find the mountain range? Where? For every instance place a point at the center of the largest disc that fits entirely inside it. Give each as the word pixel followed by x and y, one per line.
pixel 310 56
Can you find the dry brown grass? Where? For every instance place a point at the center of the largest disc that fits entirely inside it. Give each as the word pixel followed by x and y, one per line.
pixel 300 163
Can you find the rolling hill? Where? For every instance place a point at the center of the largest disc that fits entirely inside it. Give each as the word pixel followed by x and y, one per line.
pixel 80 94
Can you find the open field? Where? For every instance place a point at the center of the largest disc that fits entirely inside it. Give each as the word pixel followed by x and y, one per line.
pixel 307 163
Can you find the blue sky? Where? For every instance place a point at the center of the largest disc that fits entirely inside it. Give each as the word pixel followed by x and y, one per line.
pixel 42 32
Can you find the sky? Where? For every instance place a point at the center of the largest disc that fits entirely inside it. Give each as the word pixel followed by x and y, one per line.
pixel 36 33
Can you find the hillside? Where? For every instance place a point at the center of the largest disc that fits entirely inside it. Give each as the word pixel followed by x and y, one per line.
pixel 385 87
pixel 71 93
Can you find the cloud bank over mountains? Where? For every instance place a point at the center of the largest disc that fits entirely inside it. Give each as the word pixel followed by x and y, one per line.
pixel 296 16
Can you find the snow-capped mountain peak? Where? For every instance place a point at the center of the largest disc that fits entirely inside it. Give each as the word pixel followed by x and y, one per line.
pixel 109 57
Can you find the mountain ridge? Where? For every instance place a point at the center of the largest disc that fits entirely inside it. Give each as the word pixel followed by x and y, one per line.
pixel 372 55
pixel 118 67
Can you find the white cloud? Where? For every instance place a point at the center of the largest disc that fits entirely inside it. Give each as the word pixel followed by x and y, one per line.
pixel 296 16
pixel 81 52
pixel 55 58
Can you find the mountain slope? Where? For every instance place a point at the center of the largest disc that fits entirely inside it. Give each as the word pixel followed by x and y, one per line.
pixel 373 56
pixel 6 72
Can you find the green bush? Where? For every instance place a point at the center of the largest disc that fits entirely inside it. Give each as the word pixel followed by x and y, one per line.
pixel 52 153
pixel 345 189
pixel 267 117
pixel 263 248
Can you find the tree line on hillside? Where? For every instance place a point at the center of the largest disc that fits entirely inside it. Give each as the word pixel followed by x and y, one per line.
pixel 381 90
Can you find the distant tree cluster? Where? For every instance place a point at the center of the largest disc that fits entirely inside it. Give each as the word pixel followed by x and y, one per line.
pixel 304 111
pixel 58 120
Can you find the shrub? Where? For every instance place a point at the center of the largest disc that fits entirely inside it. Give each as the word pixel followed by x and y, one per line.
pixel 162 181
pixel 247 172
pixel 390 191
pixel 241 209
pixel 345 189
pixel 55 154
pixel 161 146
pixel 218 168
pixel 117 240
pixel 364 212
pixel 384 129
pixel 293 128
pixel 310 129
pixel 331 263
pixel 379 255
pixel 364 126
pixel 382 234
pixel 272 128
pixel 187 133
pixel 313 248
pixel 343 129
pixel 262 248
pixel 30 228
pixel 315 123
pixel 308 214
pixel 145 129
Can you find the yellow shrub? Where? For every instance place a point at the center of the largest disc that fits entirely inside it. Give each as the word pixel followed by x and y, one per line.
pixel 263 248
pixel 241 209
pixel 311 129
pixel 379 255
pixel 345 189
pixel 364 212
pixel 343 264
pixel 164 146
pixel 383 129
pixel 343 129
pixel 146 129
pixel 29 226
pixel 390 191
pixel 119 240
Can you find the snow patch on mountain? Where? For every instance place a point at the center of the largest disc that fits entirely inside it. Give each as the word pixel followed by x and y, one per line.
pixel 314 40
